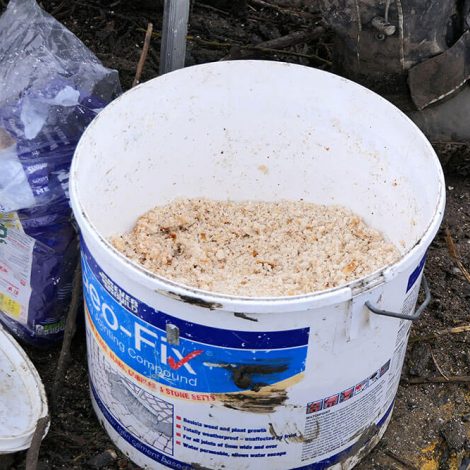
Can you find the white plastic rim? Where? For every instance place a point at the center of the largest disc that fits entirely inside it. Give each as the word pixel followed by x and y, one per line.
pixel 22 396
pixel 185 378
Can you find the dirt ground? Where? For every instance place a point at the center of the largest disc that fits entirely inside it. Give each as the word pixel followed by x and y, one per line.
pixel 430 427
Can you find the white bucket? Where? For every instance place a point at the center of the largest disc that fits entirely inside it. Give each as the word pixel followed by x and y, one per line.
pixel 176 372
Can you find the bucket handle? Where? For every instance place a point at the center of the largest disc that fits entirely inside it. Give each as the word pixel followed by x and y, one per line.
pixel 417 314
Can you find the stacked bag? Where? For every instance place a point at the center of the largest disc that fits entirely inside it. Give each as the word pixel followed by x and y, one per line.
pixel 52 88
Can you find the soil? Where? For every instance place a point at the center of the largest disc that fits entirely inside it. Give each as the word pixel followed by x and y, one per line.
pixel 430 427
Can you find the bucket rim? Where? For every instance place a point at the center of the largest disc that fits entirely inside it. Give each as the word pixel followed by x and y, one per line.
pixel 37 404
pixel 221 301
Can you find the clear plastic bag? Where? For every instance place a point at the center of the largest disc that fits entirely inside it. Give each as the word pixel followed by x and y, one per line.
pixel 51 87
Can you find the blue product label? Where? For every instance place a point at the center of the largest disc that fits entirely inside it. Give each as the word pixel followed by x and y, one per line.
pixel 205 359
pixel 415 274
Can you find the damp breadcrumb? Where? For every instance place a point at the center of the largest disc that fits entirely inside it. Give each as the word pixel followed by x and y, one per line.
pixel 255 249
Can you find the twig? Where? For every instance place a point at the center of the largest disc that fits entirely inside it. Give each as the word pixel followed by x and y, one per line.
pixel 400 460
pixel 262 4
pixel 222 45
pixel 198 40
pixel 69 332
pixel 59 8
pixel 297 37
pixel 438 380
pixel 438 367
pixel 143 55
pixel 78 457
pixel 211 8
pixel 283 52
pixel 455 255
pixel 450 142
pixel 33 451
pixel 272 6
pixel 292 39
pixel 447 331
pixel 205 42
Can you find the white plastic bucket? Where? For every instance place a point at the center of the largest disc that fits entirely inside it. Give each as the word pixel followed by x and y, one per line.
pixel 190 379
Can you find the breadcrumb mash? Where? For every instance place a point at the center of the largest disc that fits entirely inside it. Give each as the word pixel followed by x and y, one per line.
pixel 255 249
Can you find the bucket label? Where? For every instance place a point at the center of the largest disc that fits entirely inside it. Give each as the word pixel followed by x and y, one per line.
pixel 187 396
pixel 412 289
pixel 200 359
pixel 414 276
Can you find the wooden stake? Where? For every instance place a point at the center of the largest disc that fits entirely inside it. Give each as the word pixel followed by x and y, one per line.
pixel 143 55
pixel 33 451
pixel 69 332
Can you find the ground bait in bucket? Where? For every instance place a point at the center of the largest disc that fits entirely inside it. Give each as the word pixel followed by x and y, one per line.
pixel 255 249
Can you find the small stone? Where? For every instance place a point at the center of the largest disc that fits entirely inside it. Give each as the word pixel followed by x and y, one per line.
pixel 454 433
pixel 466 418
pixel 103 459
pixel 411 405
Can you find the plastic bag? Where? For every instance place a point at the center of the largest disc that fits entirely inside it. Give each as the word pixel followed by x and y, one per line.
pixel 51 87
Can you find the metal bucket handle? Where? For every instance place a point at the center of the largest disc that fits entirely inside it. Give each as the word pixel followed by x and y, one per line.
pixel 418 312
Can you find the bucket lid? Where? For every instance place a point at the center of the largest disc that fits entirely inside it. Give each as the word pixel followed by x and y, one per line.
pixel 22 396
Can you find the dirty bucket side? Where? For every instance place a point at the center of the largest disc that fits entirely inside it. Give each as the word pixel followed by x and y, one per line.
pixel 183 378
